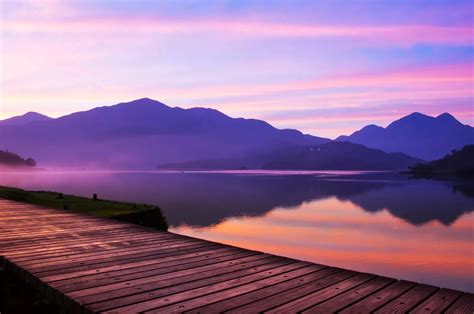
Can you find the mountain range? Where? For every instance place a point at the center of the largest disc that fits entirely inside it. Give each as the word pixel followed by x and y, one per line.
pixel 142 134
pixel 145 133
pixel 328 156
pixel 416 135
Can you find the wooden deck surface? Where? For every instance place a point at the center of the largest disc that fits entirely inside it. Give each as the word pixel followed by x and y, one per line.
pixel 92 264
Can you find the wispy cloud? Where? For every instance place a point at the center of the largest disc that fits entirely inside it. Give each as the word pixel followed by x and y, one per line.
pixel 391 35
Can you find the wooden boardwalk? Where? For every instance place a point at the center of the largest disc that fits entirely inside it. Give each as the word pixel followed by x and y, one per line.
pixel 91 264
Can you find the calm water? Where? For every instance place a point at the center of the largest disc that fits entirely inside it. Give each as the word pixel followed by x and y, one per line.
pixel 383 223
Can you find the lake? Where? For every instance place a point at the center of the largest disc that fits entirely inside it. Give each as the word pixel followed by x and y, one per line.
pixel 378 222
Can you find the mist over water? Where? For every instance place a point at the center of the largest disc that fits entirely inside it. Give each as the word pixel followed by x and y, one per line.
pixel 383 223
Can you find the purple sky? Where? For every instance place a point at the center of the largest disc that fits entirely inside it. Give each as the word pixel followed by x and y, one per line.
pixel 324 67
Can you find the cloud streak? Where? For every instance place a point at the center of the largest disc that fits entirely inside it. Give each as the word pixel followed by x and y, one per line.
pixel 391 35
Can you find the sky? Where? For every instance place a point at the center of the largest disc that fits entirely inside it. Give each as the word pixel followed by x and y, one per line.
pixel 324 67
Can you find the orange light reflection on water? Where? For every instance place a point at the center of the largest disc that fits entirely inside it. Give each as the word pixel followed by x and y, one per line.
pixel 338 233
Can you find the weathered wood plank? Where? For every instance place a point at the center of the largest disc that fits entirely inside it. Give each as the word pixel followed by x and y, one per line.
pixel 131 264
pixel 265 292
pixel 106 256
pixel 315 298
pixel 148 244
pixel 251 265
pixel 465 304
pixel 347 298
pixel 170 267
pixel 127 259
pixel 293 294
pixel 201 292
pixel 376 300
pixel 408 300
pixel 438 302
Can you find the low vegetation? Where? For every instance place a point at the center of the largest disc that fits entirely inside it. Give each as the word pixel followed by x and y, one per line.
pixel 143 214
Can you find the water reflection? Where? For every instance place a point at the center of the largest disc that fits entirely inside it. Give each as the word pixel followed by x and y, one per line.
pixel 203 199
pixel 335 232
pixel 384 223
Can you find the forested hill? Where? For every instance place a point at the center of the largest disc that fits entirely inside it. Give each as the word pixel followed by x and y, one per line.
pixel 8 159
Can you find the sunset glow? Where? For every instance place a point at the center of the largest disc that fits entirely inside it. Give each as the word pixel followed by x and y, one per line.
pixel 285 62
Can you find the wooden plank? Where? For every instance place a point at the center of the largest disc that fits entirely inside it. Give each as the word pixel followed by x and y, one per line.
pixel 186 282
pixel 106 256
pixel 200 292
pixel 408 300
pixel 438 302
pixel 131 264
pixel 135 258
pixel 465 304
pixel 127 276
pixel 194 302
pixel 41 240
pixel 122 282
pixel 44 224
pixel 265 292
pixel 251 265
pixel 293 294
pixel 320 296
pixel 48 244
pixel 27 240
pixel 104 250
pixel 352 296
pixel 112 288
pixel 378 299
pixel 79 242
pixel 87 248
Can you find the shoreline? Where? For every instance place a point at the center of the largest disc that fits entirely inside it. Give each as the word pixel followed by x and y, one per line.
pixel 142 214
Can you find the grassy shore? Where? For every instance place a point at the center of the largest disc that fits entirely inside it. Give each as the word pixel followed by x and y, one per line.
pixel 143 214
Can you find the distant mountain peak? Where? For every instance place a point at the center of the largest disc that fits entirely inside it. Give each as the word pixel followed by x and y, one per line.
pixel 144 101
pixel 26 118
pixel 447 117
pixel 416 134
pixel 34 114
pixel 416 114
pixel 415 117
pixel 371 127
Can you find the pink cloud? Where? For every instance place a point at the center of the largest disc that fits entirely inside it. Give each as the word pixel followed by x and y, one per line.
pixel 391 35
pixel 447 79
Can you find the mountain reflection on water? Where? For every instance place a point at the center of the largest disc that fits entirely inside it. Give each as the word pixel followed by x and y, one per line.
pixel 384 223
pixel 203 199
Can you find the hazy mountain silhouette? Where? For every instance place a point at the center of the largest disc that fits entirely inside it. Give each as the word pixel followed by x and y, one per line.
pixel 11 160
pixel 328 156
pixel 25 119
pixel 340 156
pixel 144 133
pixel 417 135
